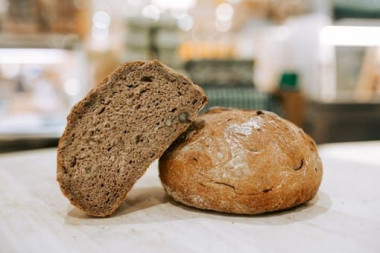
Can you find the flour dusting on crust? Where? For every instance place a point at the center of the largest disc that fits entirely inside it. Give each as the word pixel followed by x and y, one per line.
pixel 238 161
pixel 245 128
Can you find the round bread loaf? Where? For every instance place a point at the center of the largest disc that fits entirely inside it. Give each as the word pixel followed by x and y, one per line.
pixel 243 162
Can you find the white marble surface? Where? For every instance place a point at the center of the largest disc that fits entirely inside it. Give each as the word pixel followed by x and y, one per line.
pixel 344 217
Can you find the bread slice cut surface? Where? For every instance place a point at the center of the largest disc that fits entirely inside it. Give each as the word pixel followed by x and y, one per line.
pixel 119 129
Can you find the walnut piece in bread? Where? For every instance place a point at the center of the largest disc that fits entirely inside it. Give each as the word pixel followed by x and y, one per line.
pixel 242 162
pixel 119 129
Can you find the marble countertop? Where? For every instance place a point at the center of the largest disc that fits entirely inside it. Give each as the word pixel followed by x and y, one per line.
pixel 343 217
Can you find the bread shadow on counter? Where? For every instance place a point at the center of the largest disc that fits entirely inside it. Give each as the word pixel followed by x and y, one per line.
pixel 151 205
pixel 319 205
pixel 138 201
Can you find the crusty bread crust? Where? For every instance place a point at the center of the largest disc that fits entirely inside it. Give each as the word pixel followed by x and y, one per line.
pixel 119 129
pixel 243 162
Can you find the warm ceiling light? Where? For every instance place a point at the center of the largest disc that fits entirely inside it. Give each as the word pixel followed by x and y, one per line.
pixel 350 35
pixel 32 56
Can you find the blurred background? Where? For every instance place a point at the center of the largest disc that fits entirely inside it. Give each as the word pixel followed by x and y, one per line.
pixel 314 62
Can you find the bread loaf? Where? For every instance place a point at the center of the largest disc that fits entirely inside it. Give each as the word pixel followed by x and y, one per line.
pixel 243 162
pixel 119 129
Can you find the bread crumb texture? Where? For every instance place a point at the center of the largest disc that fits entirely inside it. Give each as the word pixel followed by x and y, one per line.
pixel 119 129
pixel 243 162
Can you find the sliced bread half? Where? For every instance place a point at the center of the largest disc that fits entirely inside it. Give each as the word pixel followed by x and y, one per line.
pixel 119 129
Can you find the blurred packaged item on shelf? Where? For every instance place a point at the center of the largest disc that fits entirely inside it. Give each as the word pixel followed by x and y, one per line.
pixel 147 39
pixel 167 38
pixel 136 54
pixel 141 38
pixel 169 55
pixel 368 84
pixel 22 16
pixel 70 16
pixel 274 9
pixel 221 72
pixel 244 97
pixel 290 98
pixel 207 50
pixel 41 16
pixel 102 64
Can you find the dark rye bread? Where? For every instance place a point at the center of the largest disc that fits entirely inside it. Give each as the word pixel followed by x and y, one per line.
pixel 119 129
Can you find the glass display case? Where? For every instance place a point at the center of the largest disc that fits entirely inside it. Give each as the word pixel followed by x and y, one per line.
pixel 41 77
pixel 345 104
pixel 350 62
